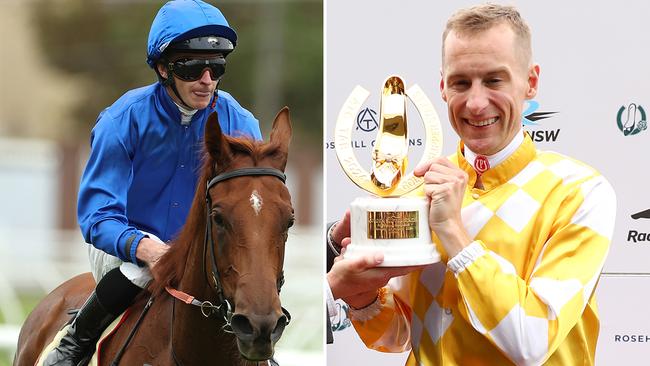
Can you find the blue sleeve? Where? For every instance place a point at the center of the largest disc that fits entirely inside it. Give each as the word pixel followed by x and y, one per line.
pixel 239 121
pixel 101 207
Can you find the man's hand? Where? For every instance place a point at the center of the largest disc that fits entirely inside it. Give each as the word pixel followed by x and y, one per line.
pixel 444 185
pixel 149 251
pixel 356 280
pixel 341 229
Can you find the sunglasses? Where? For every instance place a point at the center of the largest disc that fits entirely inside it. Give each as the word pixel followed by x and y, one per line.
pixel 192 69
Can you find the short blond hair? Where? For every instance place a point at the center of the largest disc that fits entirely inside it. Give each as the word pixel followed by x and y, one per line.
pixel 479 18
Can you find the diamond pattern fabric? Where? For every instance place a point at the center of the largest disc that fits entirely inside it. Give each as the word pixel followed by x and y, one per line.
pixel 523 292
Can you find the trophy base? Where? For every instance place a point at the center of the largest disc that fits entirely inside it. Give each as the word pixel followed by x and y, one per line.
pixel 396 257
pixel 396 227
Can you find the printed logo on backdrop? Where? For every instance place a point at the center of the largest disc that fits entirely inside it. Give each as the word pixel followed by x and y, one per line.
pixel 631 338
pixel 642 215
pixel 530 120
pixel 367 120
pixel 631 119
pixel 367 123
pixel 635 236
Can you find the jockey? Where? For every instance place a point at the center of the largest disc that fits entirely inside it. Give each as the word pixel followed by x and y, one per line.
pixel 139 182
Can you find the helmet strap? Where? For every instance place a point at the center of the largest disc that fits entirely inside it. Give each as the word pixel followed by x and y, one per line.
pixel 214 100
pixel 169 81
pixel 173 86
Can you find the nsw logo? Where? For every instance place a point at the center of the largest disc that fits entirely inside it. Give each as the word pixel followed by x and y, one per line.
pixel 631 119
pixel 530 118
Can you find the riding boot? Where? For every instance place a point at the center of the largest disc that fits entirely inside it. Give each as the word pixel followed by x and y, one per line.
pixel 78 345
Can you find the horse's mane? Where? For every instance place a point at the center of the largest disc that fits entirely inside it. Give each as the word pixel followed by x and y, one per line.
pixel 170 268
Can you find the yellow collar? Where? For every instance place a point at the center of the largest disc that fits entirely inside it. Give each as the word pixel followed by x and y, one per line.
pixel 505 170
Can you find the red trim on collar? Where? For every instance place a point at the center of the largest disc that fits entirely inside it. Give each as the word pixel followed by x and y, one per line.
pixel 481 164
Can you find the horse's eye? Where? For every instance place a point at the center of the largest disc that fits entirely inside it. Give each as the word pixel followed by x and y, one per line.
pixel 217 218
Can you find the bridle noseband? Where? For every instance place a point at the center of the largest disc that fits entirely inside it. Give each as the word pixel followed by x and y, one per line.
pixel 224 308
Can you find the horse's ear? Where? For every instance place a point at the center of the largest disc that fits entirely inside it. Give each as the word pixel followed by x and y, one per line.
pixel 281 133
pixel 215 141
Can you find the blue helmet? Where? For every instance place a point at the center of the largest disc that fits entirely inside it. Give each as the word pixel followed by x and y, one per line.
pixel 181 21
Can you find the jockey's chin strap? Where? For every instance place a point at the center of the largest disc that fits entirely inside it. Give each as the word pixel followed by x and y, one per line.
pixel 224 307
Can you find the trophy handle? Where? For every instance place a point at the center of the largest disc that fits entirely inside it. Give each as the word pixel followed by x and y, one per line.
pixel 345 153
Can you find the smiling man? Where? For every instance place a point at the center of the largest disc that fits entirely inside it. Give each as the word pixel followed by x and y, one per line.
pixel 523 233
pixel 139 182
pixel 486 77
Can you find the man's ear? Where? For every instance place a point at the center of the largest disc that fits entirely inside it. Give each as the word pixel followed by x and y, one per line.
pixel 442 87
pixel 162 70
pixel 533 81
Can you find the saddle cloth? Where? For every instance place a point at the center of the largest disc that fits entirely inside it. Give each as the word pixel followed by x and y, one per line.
pixel 94 360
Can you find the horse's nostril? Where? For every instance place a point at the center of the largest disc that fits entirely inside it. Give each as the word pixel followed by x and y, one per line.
pixel 241 325
pixel 261 328
pixel 279 326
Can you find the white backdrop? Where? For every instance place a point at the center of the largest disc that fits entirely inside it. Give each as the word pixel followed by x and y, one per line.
pixel 594 61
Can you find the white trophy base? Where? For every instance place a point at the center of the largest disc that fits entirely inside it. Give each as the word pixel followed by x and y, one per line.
pixel 398 252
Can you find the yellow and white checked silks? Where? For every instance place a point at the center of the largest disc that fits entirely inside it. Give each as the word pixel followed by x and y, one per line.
pixel 523 292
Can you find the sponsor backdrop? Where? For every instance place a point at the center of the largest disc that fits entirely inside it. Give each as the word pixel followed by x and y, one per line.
pixel 593 104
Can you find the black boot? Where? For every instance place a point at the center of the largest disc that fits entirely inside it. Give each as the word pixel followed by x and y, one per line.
pixel 78 345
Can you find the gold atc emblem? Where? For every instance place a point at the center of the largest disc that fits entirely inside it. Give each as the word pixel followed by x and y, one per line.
pixel 343 141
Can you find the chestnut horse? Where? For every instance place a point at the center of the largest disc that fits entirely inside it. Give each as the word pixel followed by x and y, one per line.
pixel 229 256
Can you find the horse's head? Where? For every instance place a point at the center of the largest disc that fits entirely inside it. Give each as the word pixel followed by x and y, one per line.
pixel 249 213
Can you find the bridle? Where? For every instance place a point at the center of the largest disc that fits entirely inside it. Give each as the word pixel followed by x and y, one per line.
pixel 224 308
pixel 207 308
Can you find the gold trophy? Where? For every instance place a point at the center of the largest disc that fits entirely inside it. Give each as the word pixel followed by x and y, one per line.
pixel 388 222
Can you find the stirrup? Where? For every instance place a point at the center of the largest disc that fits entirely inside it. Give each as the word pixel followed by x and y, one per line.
pixel 391 146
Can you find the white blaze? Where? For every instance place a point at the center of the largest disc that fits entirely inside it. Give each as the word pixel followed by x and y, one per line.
pixel 256 202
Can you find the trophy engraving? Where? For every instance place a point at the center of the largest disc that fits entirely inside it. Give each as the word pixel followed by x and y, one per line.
pixel 395 225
